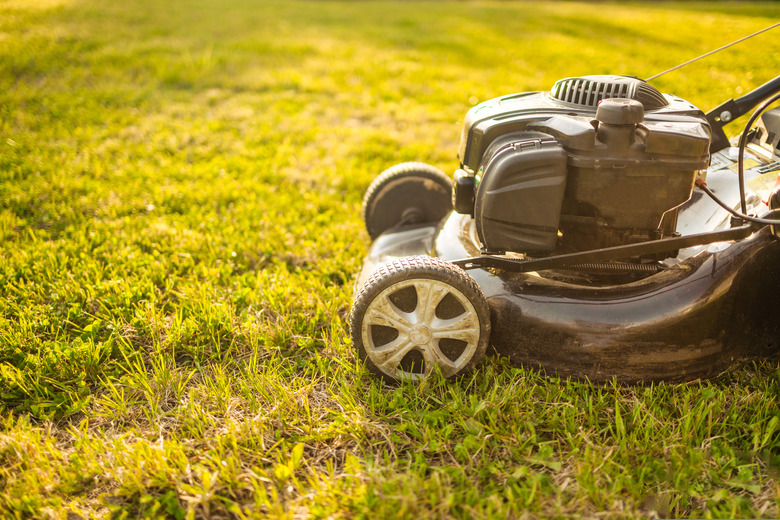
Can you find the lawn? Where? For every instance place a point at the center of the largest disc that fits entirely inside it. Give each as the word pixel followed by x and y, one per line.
pixel 180 230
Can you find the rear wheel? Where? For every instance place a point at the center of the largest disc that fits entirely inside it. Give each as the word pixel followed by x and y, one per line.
pixel 407 193
pixel 419 314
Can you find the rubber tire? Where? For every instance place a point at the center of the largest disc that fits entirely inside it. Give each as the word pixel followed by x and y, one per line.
pixel 407 186
pixel 419 268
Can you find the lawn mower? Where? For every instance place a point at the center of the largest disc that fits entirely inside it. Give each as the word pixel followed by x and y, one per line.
pixel 597 230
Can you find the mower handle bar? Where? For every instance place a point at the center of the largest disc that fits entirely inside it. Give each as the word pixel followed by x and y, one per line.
pixel 723 114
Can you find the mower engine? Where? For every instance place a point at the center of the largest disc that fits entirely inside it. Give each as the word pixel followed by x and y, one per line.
pixel 598 161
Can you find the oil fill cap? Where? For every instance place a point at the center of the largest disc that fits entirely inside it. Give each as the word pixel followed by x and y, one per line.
pixel 620 111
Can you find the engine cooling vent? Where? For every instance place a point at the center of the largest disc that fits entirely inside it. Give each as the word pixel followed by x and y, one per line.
pixel 589 90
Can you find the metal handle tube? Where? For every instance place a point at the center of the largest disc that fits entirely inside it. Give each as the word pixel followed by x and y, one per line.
pixel 726 112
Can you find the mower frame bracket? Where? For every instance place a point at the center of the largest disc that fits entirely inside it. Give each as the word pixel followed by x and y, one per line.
pixel 605 254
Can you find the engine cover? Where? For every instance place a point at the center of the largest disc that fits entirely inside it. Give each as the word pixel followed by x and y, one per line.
pixel 518 200
pixel 597 161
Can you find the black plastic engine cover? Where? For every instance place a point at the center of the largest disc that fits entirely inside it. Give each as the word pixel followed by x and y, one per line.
pixel 520 193
pixel 624 164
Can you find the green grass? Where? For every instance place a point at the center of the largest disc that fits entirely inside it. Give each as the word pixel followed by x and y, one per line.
pixel 180 187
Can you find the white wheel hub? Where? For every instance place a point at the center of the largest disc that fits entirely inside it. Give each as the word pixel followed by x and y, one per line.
pixel 420 335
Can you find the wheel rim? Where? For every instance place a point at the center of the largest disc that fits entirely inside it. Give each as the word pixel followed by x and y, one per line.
pixel 417 324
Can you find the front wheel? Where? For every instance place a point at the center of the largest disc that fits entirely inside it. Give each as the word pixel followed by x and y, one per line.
pixel 419 314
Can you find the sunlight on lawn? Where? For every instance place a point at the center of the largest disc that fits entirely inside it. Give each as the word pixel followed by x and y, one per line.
pixel 180 229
